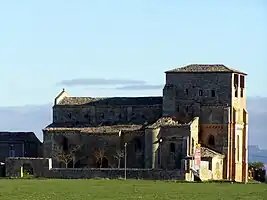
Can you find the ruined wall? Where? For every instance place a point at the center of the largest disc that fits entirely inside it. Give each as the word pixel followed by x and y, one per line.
pixel 15 166
pixel 150 174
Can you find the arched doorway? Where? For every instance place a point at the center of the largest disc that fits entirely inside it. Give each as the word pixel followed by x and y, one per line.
pixel 103 164
pixel 27 170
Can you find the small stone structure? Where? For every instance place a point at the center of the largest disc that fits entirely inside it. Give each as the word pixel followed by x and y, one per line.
pixel 39 166
pixel 89 173
pixel 19 144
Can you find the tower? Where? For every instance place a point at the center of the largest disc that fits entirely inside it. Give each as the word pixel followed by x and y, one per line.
pixel 216 94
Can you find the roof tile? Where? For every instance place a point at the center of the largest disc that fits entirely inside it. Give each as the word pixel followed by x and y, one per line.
pixel 111 101
pixel 205 68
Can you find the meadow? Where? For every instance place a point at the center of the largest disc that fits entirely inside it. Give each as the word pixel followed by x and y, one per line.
pixel 56 189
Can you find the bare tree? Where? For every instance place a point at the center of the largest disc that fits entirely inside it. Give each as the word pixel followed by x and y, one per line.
pixel 99 154
pixel 118 156
pixel 65 156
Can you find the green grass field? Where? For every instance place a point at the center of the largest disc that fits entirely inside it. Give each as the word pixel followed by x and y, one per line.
pixel 131 189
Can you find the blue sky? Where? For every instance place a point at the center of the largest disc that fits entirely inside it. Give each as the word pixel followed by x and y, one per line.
pixel 126 43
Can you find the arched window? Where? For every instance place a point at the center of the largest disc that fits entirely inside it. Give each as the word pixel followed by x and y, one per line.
pixel 69 115
pixel 211 140
pixel 65 143
pixel 137 144
pixel 192 146
pixel 172 147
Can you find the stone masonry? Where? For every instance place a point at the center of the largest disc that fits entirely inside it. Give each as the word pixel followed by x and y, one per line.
pixel 201 104
pixel 38 167
pixel 90 173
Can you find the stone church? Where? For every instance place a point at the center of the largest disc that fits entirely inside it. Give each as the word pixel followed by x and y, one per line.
pixel 201 104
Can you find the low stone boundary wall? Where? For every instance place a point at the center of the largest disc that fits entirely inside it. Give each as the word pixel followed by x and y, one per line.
pixel 90 173
pixel 39 166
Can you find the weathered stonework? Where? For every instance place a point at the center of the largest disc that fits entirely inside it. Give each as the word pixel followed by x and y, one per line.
pixel 16 166
pixel 203 104
pixel 19 144
pixel 216 94
pixel 151 174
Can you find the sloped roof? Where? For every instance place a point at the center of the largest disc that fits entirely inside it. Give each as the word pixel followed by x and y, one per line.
pixel 204 68
pixel 18 136
pixel 209 153
pixel 93 129
pixel 111 101
pixel 167 121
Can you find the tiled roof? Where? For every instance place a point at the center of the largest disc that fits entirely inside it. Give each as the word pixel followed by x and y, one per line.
pixel 207 152
pixel 205 68
pixel 166 121
pixel 18 136
pixel 94 129
pixel 111 101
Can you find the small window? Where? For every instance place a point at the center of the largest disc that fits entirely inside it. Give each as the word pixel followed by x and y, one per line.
pixel 200 93
pixel 11 153
pixel 238 148
pixel 211 140
pixel 186 91
pixel 210 165
pixel 180 147
pixel 236 91
pixel 137 145
pixel 186 108
pixel 236 84
pixel 172 147
pixel 192 146
pixel 178 109
pixel 65 144
pixel 242 82
pixel 213 93
pixel 241 92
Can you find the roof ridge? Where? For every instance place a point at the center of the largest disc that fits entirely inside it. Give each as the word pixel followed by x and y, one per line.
pixel 143 100
pixel 205 68
pixel 210 149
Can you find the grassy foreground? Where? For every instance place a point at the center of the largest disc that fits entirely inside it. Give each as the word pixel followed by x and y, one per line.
pixel 131 189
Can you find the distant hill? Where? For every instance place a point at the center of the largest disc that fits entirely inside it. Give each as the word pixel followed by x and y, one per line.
pixel 36 117
pixel 257 110
pixel 256 154
pixel 26 118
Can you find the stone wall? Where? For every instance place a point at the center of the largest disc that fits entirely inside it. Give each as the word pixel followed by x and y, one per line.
pixel 110 143
pixel 151 174
pixel 185 92
pixel 94 115
pixel 42 167
pixel 16 166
